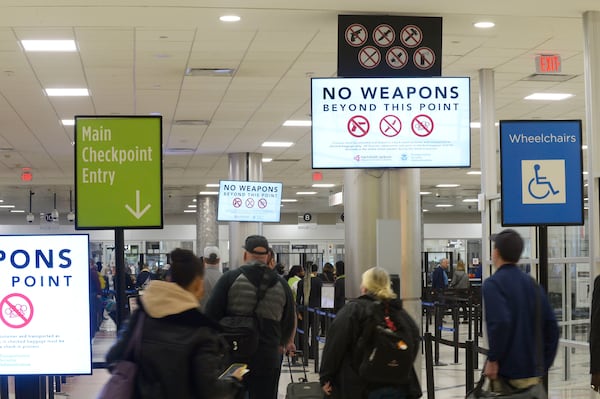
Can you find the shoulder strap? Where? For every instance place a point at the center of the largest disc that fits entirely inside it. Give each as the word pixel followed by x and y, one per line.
pixel 267 279
pixel 135 340
pixel 538 328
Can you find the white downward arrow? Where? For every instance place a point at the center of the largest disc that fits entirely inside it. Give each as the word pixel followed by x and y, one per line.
pixel 137 213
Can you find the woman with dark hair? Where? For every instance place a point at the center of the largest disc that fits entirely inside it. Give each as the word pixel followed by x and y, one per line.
pixel 181 353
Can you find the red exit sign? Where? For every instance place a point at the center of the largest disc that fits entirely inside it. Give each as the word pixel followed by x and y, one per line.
pixel 548 63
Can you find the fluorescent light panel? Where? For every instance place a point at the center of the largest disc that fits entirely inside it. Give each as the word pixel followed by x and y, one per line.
pixel 283 144
pixel 189 211
pixel 447 185
pixel 78 92
pixel 444 206
pixel 425 192
pixel 470 200
pixel 289 200
pixel 267 160
pixel 208 193
pixel 306 193
pixel 474 172
pixel 549 96
pixel 323 185
pixel 7 206
pixel 68 122
pixel 213 185
pixel 484 24
pixel 229 18
pixel 49 45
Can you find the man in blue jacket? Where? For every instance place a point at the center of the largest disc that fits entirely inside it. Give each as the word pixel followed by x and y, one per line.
pixel 511 298
pixel 439 277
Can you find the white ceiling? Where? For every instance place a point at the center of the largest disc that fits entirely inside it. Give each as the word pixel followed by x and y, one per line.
pixel 133 56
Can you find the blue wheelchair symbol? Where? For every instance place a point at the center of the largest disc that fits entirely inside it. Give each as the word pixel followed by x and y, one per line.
pixel 542 187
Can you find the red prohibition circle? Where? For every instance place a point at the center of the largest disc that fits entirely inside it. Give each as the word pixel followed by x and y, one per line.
pixel 356 35
pixel 390 125
pixel 262 203
pixel 420 123
pixel 358 126
pixel 384 35
pixel 249 203
pixel 237 202
pixel 396 57
pixel 14 311
pixel 369 57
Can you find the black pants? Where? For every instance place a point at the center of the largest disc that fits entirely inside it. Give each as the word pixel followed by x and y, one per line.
pixel 264 385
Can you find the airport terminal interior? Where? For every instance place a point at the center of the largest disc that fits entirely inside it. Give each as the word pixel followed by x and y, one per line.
pixel 363 122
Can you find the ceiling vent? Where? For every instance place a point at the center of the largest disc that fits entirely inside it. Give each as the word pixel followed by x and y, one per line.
pixel 192 122
pixel 209 72
pixel 549 77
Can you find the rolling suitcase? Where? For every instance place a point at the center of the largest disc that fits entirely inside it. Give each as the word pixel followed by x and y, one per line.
pixel 303 389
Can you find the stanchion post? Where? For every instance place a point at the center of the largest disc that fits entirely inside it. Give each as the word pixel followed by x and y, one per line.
pixel 455 317
pixel 438 332
pixel 305 337
pixel 315 342
pixel 476 335
pixel 50 380
pixel 469 369
pixel 429 366
pixel 28 387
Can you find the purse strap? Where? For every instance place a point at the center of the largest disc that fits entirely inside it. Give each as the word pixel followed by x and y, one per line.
pixel 134 345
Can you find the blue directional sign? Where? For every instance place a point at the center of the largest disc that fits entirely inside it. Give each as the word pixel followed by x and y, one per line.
pixel 542 173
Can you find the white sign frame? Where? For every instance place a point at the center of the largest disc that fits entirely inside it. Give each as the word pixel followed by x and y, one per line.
pixel 45 304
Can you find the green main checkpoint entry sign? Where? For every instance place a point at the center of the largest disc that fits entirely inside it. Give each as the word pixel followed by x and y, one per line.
pixel 118 172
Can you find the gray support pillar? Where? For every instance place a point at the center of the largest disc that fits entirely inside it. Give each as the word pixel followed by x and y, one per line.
pixel 488 145
pixel 207 227
pixel 243 166
pixel 361 210
pixel 591 31
pixel 406 204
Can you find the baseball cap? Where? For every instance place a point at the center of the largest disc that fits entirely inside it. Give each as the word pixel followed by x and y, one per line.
pixel 509 244
pixel 211 254
pixel 257 245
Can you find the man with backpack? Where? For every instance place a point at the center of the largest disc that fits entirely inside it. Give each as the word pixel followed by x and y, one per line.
pixel 255 295
pixel 371 346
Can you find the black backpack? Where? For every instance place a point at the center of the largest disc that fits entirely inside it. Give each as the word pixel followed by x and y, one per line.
pixel 388 345
pixel 242 331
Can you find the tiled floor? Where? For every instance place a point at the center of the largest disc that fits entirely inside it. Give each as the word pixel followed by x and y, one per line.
pixel 449 379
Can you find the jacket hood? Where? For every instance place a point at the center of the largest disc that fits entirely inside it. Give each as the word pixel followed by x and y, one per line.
pixel 163 298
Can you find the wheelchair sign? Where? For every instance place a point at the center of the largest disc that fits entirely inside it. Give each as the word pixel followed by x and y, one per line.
pixel 543 181
pixel 541 172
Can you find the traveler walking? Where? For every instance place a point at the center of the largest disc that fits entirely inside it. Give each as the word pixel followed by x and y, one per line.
pixel 520 350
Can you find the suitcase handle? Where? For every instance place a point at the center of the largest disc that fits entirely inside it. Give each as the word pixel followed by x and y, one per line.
pixel 303 367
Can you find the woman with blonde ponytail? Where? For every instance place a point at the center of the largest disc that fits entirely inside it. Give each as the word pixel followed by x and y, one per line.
pixel 345 344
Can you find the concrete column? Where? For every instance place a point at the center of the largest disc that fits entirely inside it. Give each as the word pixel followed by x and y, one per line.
pixel 591 31
pixel 361 210
pixel 488 145
pixel 207 227
pixel 243 166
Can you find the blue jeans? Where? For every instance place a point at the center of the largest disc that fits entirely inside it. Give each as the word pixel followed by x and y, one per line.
pixel 387 393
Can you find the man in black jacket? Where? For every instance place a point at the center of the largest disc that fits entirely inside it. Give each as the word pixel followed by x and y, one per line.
pixel 236 294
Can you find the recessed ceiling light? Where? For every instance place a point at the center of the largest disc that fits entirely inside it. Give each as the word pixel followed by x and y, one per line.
pixel 289 200
pixel 323 185
pixel 229 18
pixel 425 192
pixel 49 45
pixel 470 200
pixel 67 92
pixel 549 96
pixel 475 125
pixel 283 144
pixel 474 172
pixel 189 211
pixel 484 24
pixel 195 200
pixel 292 122
pixel 208 193
pixel 212 185
pixel 444 206
pixel 447 185
pixel 584 172
pixel 425 210
pixel 306 193
pixel 584 147
pixel 192 206
pixel 267 160
pixel 68 122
